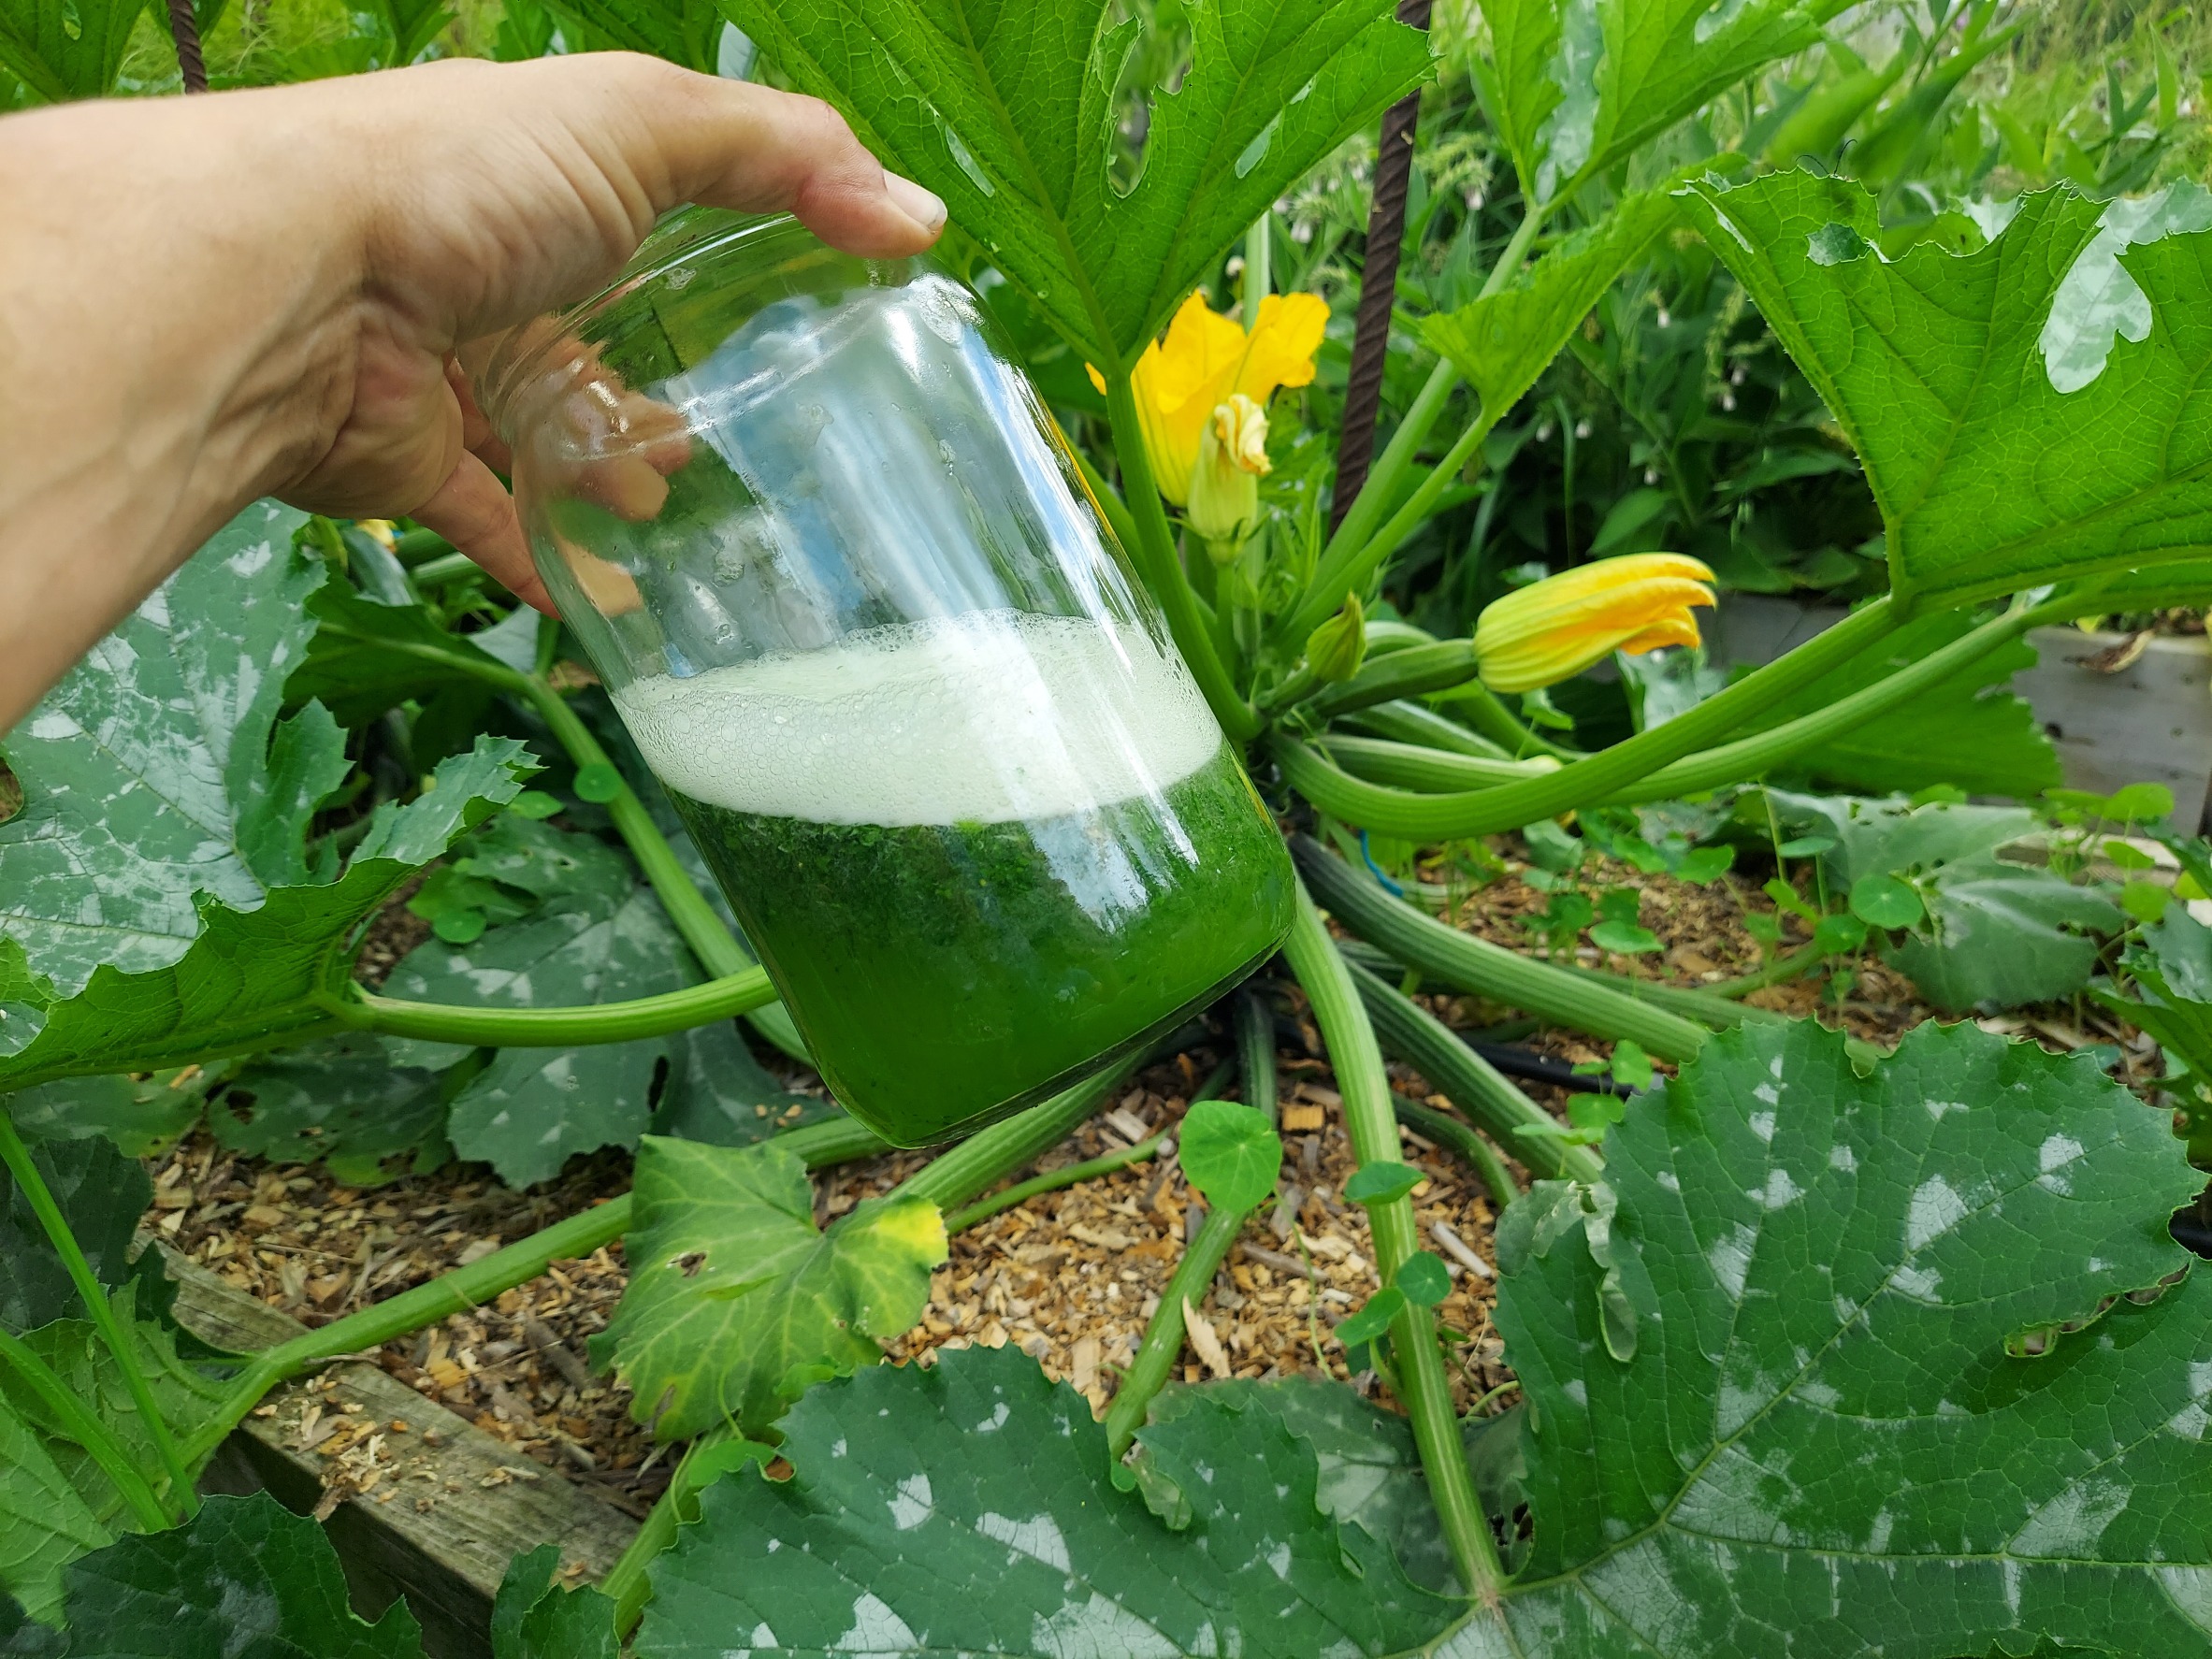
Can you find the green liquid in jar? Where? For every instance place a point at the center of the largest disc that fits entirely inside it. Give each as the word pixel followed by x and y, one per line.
pixel 976 856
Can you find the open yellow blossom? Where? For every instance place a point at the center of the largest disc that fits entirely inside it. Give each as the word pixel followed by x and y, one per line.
pixel 1552 629
pixel 1206 359
pixel 1225 483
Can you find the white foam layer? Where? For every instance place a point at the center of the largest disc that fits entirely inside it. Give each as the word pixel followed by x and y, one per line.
pixel 988 716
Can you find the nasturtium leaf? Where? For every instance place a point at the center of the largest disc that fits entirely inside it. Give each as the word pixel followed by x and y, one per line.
pixel 1840 934
pixel 44 1524
pixel 1884 902
pixel 339 1102
pixel 2145 900
pixel 146 773
pixel 1230 1153
pixel 534 1617
pixel 1423 1279
pixel 243 1578
pixel 1006 112
pixel 1990 477
pixel 1381 1182
pixel 734 1295
pixel 67 49
pixel 1373 1317
pixel 1995 933
pixel 967 1509
pixel 1821 1444
pixel 1631 1066
pixel 1572 85
pixel 254 978
pixel 1623 938
pixel 1503 342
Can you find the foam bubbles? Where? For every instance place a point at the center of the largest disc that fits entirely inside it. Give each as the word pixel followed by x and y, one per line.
pixel 988 716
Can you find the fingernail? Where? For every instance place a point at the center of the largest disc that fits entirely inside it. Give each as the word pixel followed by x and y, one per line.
pixel 921 206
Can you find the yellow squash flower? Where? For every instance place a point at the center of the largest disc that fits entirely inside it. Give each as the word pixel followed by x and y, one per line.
pixel 1206 360
pixel 1225 483
pixel 1552 630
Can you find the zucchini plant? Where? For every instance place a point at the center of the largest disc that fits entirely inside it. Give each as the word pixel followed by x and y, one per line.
pixel 1817 1351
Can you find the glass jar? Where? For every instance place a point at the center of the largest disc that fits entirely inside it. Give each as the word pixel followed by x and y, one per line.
pixel 861 613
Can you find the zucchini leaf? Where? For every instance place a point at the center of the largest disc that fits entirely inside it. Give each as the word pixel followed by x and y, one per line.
pixel 1006 112
pixel 2035 410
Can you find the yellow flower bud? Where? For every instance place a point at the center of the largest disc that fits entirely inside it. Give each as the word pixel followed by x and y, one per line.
pixel 1224 494
pixel 1552 629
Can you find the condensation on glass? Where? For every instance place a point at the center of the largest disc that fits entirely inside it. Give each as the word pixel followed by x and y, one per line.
pixel 834 563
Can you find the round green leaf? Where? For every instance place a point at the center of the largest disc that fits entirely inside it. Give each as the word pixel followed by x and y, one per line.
pixel 2146 901
pixel 1623 938
pixel 535 803
pixel 2140 803
pixel 1884 902
pixel 1374 1318
pixel 1230 1153
pixel 598 783
pixel 1840 934
pixel 1424 1281
pixel 458 926
pixel 1380 1183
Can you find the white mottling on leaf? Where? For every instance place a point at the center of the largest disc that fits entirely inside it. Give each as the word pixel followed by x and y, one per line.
pixel 1038 1537
pixel 1934 1210
pixel 914 1503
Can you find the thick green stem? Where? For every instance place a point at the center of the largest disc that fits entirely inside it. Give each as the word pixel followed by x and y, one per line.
pixel 1357 550
pixel 1427 770
pixel 1402 673
pixel 1154 553
pixel 559 1028
pixel 1372 1125
pixel 991 1155
pixel 1471 1083
pixel 1259 272
pixel 838 1140
pixel 1460 1139
pixel 711 941
pixel 96 1304
pixel 1586 782
pixel 1747 758
pixel 1070 1175
pixel 1498 723
pixel 1255 1053
pixel 1466 963
pixel 1412 723
pixel 1162 1343
pixel 76 1421
pixel 626 1584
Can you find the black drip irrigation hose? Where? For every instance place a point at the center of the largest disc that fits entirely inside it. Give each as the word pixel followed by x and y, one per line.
pixel 1510 1059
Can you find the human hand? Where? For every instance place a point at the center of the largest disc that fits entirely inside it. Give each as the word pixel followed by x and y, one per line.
pixel 503 191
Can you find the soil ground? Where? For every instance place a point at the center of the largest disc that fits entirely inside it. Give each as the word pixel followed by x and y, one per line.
pixel 1069 1277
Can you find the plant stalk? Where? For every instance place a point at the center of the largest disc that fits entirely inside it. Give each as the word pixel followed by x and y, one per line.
pixel 990 1155
pixel 1372 1125
pixel 1581 783
pixel 1456 1137
pixel 1155 552
pixel 1162 1343
pixel 80 1425
pixel 559 1028
pixel 33 1185
pixel 1467 963
pixel 839 1140
pixel 1255 1053
pixel 1070 1175
pixel 1402 673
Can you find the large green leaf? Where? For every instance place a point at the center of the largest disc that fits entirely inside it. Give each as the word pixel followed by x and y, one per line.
pixel 534 1617
pixel 253 978
pixel 1970 731
pixel 1821 1447
pixel 1996 933
pixel 1573 85
pixel 339 1102
pixel 1941 368
pixel 67 49
pixel 1006 112
pixel 147 773
pixel 44 1522
pixel 966 1509
pixel 1823 1436
pixel 366 656
pixel 736 1301
pixel 1504 341
pixel 244 1578
pixel 685 32
pixel 101 1194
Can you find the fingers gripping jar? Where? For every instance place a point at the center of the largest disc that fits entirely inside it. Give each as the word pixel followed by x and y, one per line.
pixel 855 604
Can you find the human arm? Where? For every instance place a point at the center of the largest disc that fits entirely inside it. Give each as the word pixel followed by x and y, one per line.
pixel 206 300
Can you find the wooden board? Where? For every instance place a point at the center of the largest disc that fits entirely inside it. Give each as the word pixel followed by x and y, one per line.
pixel 436 1511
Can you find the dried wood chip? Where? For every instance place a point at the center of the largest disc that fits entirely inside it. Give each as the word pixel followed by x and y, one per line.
pixel 1205 1341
